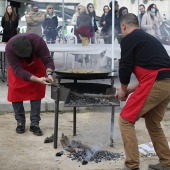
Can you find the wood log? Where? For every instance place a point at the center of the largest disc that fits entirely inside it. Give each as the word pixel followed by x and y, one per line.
pixel 66 144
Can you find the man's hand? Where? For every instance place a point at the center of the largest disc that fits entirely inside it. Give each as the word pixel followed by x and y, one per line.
pixel 41 80
pixel 124 91
pixel 50 77
pixel 121 94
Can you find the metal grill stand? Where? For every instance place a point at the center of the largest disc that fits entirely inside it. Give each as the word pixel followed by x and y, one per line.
pixel 59 94
pixel 3 65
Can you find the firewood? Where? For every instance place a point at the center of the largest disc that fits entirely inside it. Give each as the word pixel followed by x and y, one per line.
pixel 49 139
pixel 66 144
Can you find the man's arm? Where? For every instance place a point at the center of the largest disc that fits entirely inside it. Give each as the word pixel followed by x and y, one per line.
pixel 29 19
pixel 39 17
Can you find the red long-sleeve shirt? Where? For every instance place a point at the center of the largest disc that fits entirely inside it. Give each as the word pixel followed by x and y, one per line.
pixel 40 49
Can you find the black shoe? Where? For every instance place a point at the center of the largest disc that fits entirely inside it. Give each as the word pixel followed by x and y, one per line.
pixel 36 130
pixel 20 128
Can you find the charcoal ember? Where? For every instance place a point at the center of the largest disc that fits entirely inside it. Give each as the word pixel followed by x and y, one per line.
pixel 96 157
pixel 84 162
pixel 59 153
pixel 75 100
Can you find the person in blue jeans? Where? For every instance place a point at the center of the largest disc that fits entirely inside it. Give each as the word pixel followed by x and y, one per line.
pixel 50 25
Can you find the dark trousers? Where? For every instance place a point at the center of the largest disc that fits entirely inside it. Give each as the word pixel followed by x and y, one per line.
pixel 34 115
pixel 93 38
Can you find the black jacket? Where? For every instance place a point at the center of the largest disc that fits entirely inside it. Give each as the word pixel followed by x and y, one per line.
pixel 9 28
pixel 142 49
pixel 108 20
pixel 50 23
pixel 93 14
pixel 103 18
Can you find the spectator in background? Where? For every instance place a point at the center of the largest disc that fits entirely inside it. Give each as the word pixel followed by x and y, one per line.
pixel 107 28
pixel 50 25
pixel 103 17
pixel 9 23
pixel 34 19
pixel 92 14
pixel 122 11
pixel 83 19
pixel 103 22
pixel 151 21
pixel 75 15
pixel 142 12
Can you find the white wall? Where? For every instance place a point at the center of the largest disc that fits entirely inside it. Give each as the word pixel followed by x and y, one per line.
pixel 2 7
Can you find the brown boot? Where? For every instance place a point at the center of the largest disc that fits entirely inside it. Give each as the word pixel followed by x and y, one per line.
pixel 158 167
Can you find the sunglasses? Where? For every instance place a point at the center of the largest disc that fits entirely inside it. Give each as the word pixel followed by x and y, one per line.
pixel 50 8
pixel 79 9
pixel 91 7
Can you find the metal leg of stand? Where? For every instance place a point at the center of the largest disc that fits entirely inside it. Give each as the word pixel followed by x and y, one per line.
pixel 74 121
pixel 2 60
pixel 56 119
pixel 112 127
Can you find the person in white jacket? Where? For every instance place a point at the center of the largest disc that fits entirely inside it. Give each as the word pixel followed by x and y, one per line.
pixel 75 15
pixel 151 21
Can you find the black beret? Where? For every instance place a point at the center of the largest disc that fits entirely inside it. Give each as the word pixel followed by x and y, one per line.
pixel 22 46
pixel 34 4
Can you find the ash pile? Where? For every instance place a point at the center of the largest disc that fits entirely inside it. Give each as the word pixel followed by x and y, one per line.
pixel 84 154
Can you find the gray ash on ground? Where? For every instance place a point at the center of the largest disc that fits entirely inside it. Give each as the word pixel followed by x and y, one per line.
pixel 86 156
pixel 75 100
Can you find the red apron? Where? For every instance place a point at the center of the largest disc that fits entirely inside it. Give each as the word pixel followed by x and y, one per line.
pixel 21 90
pixel 135 102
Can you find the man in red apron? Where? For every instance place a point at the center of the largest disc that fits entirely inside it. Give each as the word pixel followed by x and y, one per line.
pixel 143 55
pixel 29 60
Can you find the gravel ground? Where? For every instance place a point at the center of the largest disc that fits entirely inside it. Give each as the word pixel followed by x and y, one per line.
pixel 29 152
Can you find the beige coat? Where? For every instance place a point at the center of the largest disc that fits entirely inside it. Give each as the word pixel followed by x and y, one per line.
pixel 150 26
pixel 34 21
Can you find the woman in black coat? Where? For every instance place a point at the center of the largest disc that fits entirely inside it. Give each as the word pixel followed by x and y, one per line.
pixel 50 25
pixel 107 27
pixel 103 22
pixel 9 23
pixel 92 14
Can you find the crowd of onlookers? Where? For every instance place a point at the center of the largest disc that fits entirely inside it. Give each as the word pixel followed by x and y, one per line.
pixel 149 19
